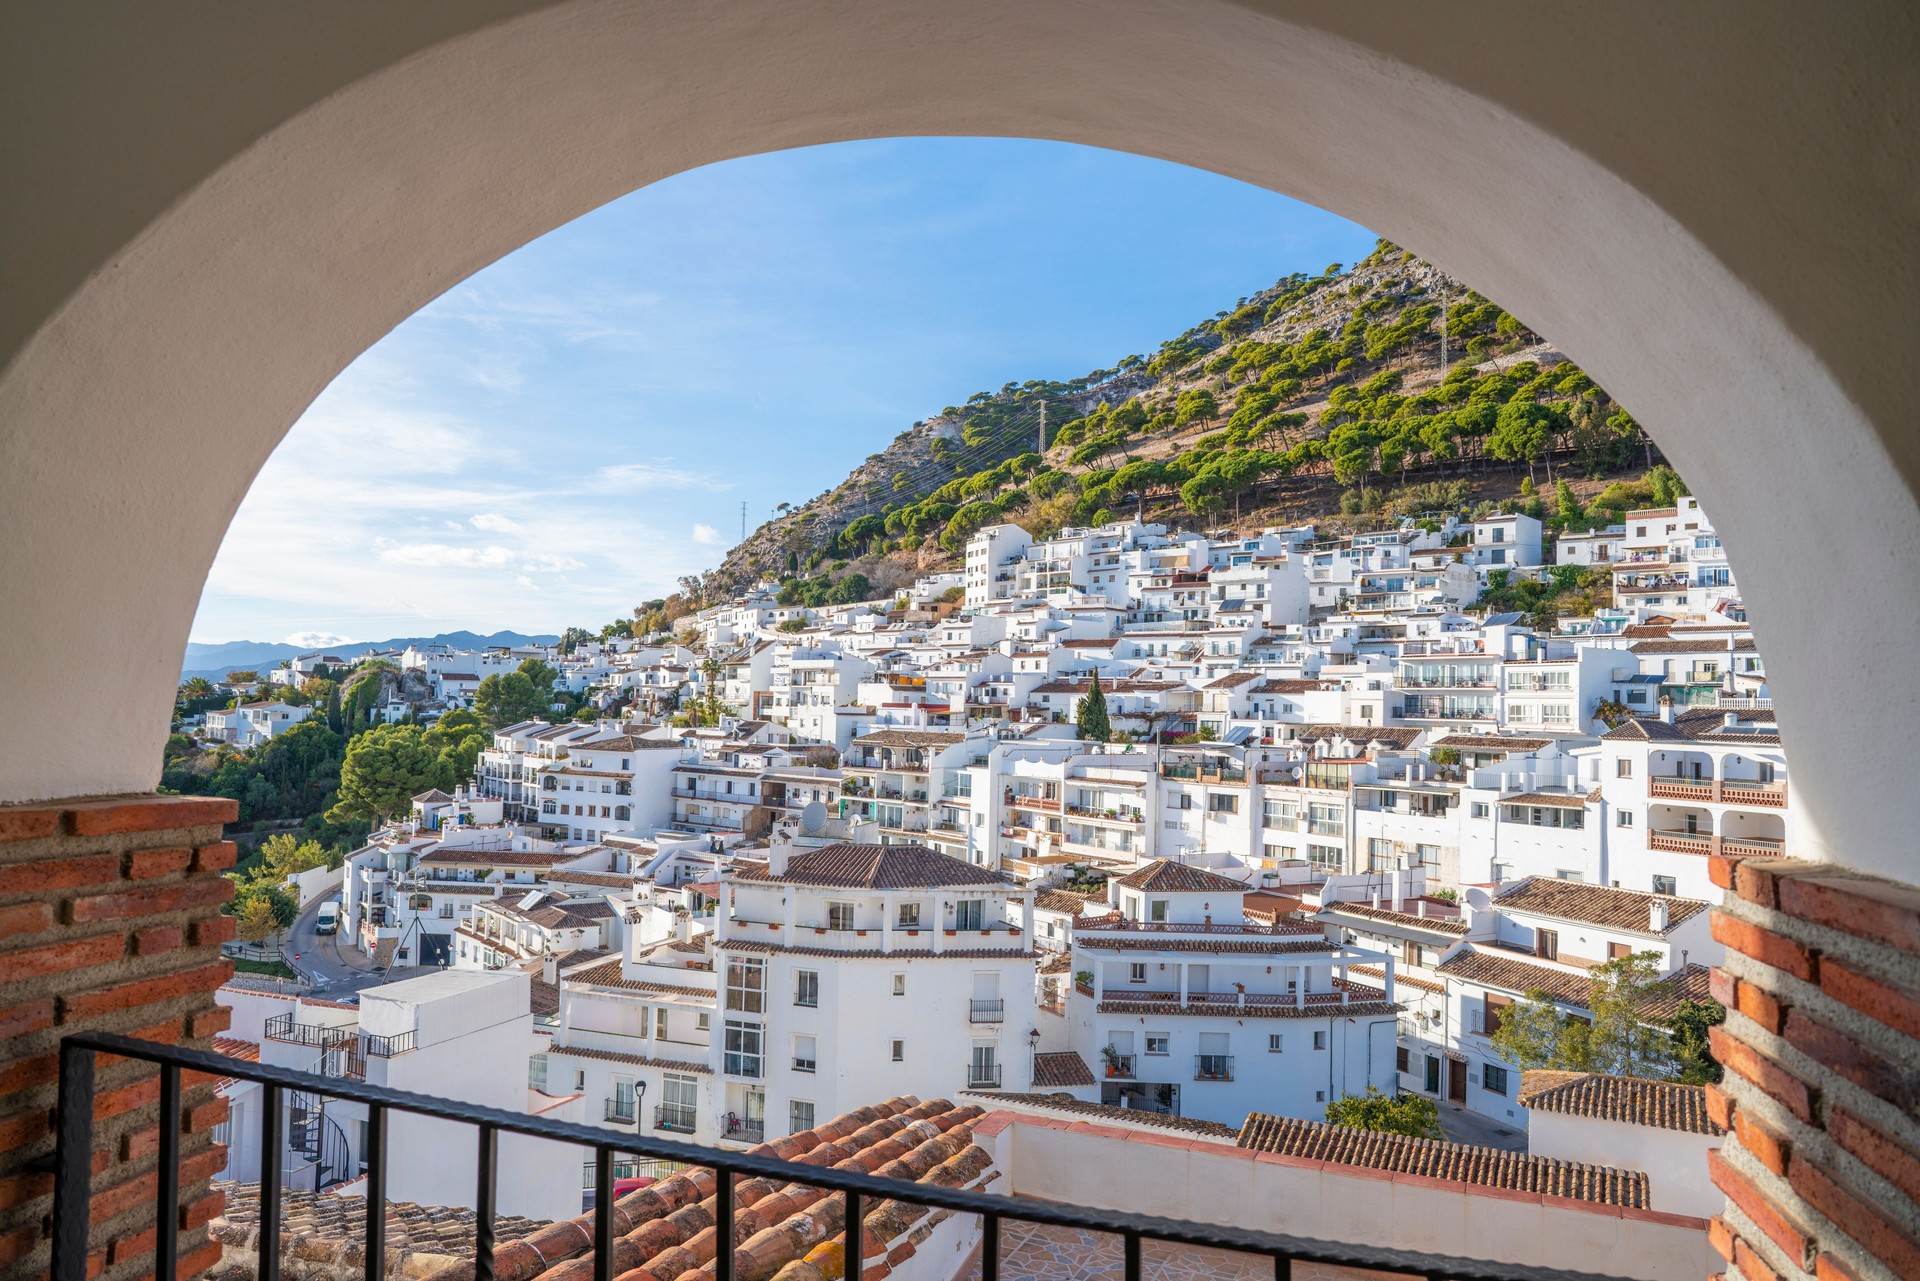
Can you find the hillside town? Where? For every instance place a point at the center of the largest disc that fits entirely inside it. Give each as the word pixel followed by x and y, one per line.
pixel 1128 822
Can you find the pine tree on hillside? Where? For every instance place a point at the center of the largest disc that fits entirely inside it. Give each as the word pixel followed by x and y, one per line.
pixel 1093 714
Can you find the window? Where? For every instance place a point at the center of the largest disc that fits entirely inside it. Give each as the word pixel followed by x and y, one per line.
pixel 839 916
pixel 899 1051
pixel 1402 1059
pixel 1319 1040
pixel 805 1053
pixel 1157 910
pixel 1380 855
pixel 679 1101
pixel 1496 1006
pixel 1223 803
pixel 970 914
pixel 1137 972
pixel 1623 818
pixel 703 1021
pixel 1275 1042
pixel 744 1045
pixel 1666 885
pixel 1494 1079
pixel 909 916
pixel 1478 809
pixel 806 987
pixel 899 985
pixel 1328 858
pixel 1623 768
pixel 799 1116
pixel 660 1023
pixel 747 985
pixel 1619 951
pixel 1546 944
pixel 1156 1043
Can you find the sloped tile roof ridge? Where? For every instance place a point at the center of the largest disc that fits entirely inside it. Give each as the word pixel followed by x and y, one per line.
pixel 1438 924
pixel 852 866
pixel 1164 876
pixel 1105 1111
pixel 1602 905
pixel 1061 1068
pixel 1666 1105
pixel 1440 1159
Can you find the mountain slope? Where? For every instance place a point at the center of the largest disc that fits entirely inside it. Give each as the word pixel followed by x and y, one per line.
pixel 1335 390
pixel 214 661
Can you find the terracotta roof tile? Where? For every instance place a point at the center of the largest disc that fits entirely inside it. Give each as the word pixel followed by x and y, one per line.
pixel 1601 905
pixel 1664 1105
pixel 1454 1162
pixel 876 867
pixel 1061 1070
pixel 1163 876
pixel 1406 920
pixel 1104 1111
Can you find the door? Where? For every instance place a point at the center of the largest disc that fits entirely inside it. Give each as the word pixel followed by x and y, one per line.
pixel 1456 1081
pixel 1433 1074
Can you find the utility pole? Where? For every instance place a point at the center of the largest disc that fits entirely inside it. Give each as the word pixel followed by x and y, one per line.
pixel 743 520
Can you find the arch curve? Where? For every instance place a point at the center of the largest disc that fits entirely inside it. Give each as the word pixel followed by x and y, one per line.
pixel 145 387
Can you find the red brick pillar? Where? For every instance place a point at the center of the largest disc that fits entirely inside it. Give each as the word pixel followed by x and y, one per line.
pixel 1822 1088
pixel 109 921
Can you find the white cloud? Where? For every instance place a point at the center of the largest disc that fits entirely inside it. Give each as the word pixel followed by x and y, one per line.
pixel 540 562
pixel 656 476
pixel 443 556
pixel 494 522
pixel 707 536
pixel 315 640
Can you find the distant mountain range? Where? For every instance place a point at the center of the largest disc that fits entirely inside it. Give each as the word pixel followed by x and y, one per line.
pixel 214 661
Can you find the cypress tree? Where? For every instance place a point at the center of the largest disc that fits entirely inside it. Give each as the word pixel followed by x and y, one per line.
pixel 1093 714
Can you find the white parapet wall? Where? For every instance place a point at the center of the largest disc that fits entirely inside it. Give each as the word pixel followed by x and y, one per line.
pixel 1210 1180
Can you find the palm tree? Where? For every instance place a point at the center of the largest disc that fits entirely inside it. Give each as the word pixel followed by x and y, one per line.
pixel 1611 712
pixel 196 687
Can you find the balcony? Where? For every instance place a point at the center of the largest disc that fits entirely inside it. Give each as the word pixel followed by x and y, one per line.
pixel 1205 773
pixel 281 1027
pixel 1705 843
pixel 979 1011
pixel 1213 1067
pixel 673 1118
pixel 1022 800
pixel 983 1076
pixel 741 1129
pixel 1118 1067
pixel 621 1111
pixel 1726 791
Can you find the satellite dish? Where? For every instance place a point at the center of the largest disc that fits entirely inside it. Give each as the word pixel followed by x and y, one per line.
pixel 813 818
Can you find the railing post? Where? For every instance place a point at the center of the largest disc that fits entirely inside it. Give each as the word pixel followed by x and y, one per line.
pixel 166 1222
pixel 73 1164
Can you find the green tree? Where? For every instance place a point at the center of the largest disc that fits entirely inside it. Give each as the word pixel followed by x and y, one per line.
pixel 1692 1056
pixel 458 738
pixel 1092 716
pixel 542 676
pixel 506 700
pixel 385 768
pixel 1414 1115
pixel 1624 1042
pixel 1534 1034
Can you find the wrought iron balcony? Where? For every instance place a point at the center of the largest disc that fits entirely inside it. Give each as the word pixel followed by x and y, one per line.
pixel 983 1076
pixel 1213 1067
pixel 986 1011
pixel 621 1111
pixel 73 1180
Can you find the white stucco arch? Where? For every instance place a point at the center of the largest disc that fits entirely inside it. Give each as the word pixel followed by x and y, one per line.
pixel 215 211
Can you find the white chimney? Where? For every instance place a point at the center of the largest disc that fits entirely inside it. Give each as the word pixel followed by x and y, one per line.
pixel 550 968
pixel 1666 708
pixel 1658 915
pixel 1730 720
pixel 1420 908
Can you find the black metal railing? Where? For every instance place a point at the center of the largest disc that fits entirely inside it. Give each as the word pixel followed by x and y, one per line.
pixel 281 1027
pixel 743 1129
pixel 983 1076
pixel 1213 1067
pixel 73 1182
pixel 621 1111
pixel 979 1011
pixel 673 1119
pixel 386 1047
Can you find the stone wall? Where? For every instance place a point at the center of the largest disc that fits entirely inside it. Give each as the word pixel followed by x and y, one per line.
pixel 1822 1087
pixel 109 921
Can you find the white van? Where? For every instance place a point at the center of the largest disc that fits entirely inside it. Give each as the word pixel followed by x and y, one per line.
pixel 328 922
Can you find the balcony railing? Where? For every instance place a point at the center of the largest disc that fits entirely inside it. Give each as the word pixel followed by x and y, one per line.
pixel 73 1181
pixel 281 1027
pixel 1213 1067
pixel 983 1076
pixel 1726 791
pixel 744 1129
pixel 1119 1067
pixel 621 1111
pixel 979 1011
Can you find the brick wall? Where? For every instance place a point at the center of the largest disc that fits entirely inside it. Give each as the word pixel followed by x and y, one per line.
pixel 109 921
pixel 1822 1088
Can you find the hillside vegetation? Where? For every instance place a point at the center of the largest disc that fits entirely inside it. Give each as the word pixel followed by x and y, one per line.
pixel 1324 394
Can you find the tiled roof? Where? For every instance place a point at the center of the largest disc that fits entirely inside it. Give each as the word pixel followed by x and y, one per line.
pixel 1163 876
pixel 1064 901
pixel 1688 983
pixel 1061 1070
pixel 1306 941
pixel 1689 729
pixel 1600 905
pixel 1665 1105
pixel 909 738
pixel 1554 800
pixel 1399 979
pixel 328 1228
pixel 1108 1112
pixel 1493 743
pixel 1434 1159
pixel 1705 645
pixel 607 974
pixel 1387 916
pixel 868 954
pixel 234 1048
pixel 1397 736
pixel 876 867
pixel 495 858
pixel 1511 974
pixel 1292 685
pixel 1359 1009
pixel 638 1060
pixel 610 880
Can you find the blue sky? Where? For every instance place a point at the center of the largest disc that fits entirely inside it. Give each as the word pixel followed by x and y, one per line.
pixel 562 435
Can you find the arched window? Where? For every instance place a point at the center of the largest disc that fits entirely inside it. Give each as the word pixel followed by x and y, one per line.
pixel 550 783
pixel 548 807
pixel 622 812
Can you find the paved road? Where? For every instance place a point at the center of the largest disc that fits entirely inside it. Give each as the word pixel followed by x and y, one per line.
pixel 331 961
pixel 1463 1126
